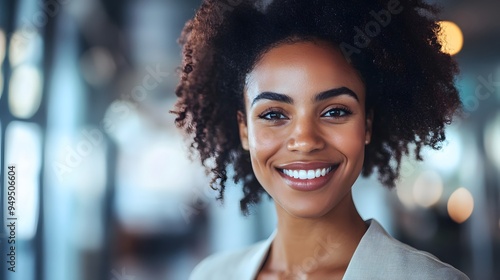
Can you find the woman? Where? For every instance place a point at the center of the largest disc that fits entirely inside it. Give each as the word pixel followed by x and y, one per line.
pixel 300 97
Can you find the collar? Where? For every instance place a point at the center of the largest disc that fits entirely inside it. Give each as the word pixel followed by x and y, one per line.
pixel 258 259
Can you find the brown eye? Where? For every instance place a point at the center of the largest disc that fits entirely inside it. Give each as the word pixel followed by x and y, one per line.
pixel 273 115
pixel 337 113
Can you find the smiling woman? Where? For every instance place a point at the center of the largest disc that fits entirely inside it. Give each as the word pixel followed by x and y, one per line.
pixel 311 124
pixel 270 91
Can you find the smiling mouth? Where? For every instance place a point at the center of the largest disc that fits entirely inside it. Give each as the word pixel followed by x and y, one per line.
pixel 308 174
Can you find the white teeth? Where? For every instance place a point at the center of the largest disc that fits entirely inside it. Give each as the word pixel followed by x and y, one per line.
pixel 307 174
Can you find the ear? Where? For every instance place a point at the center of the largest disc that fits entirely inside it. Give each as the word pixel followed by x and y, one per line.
pixel 242 125
pixel 368 127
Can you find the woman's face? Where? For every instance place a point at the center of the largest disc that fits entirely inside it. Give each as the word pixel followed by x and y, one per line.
pixel 305 126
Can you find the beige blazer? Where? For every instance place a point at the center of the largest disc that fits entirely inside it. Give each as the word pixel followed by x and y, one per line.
pixel 378 256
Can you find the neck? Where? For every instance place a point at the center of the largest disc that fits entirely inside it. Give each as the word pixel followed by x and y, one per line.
pixel 303 245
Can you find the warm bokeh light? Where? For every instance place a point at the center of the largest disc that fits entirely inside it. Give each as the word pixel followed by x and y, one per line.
pixel 451 37
pixel 428 188
pixel 409 170
pixel 25 91
pixel 25 47
pixel 460 205
pixel 405 196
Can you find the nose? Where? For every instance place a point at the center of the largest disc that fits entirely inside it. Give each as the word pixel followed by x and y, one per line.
pixel 305 136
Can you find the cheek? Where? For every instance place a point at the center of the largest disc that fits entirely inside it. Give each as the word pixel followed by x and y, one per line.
pixel 350 140
pixel 263 145
pixel 262 140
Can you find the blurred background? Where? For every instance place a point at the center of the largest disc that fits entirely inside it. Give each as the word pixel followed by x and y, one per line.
pixel 105 189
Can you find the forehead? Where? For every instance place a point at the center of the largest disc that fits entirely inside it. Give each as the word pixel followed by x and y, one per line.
pixel 302 68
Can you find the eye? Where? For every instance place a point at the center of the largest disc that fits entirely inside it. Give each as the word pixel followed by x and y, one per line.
pixel 337 113
pixel 273 115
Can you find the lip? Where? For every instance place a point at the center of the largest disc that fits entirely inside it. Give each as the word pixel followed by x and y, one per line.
pixel 306 165
pixel 307 184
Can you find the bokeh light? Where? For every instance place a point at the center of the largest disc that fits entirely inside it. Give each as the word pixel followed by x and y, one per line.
pixel 1 82
pixel 25 91
pixel 451 37
pixel 428 188
pixel 492 140
pixel 98 66
pixel 448 159
pixel 25 47
pixel 24 150
pixel 2 56
pixel 405 196
pixel 460 205
pixel 404 188
pixel 2 46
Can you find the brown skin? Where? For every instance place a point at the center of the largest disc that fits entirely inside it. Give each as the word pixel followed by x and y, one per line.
pixel 328 132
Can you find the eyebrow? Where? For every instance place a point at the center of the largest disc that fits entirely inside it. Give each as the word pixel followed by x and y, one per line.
pixel 319 97
pixel 335 92
pixel 273 96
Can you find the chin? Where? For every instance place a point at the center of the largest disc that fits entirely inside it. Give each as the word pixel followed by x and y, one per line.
pixel 309 210
pixel 314 205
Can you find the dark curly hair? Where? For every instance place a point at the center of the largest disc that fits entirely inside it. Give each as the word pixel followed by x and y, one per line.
pixel 409 80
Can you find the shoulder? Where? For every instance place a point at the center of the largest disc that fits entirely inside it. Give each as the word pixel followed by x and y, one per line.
pixel 230 265
pixel 382 255
pixel 419 264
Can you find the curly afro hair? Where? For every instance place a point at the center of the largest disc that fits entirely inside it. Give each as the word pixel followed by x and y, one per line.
pixel 393 44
